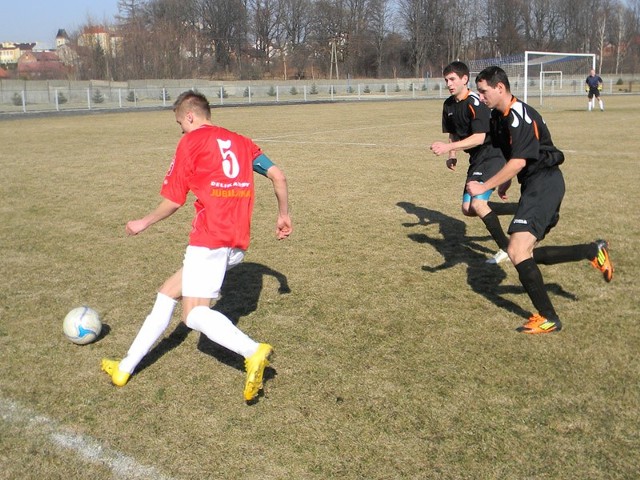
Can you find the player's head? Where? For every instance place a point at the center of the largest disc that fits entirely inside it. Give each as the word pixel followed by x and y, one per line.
pixel 492 76
pixel 493 86
pixel 192 101
pixel 592 72
pixel 459 68
pixel 191 109
pixel 456 76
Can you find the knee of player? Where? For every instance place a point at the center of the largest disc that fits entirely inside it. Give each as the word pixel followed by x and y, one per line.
pixel 467 211
pixel 479 206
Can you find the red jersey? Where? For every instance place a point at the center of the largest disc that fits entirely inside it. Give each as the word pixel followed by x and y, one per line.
pixel 217 166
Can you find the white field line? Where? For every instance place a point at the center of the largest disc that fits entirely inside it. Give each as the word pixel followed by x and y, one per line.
pixel 334 130
pixel 87 448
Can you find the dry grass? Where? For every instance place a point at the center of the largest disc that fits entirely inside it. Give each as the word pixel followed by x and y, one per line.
pixel 397 354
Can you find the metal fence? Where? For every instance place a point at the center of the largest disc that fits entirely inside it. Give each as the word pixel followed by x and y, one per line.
pixel 19 96
pixel 39 96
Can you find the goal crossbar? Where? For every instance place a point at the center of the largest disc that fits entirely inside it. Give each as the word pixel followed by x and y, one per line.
pixel 544 57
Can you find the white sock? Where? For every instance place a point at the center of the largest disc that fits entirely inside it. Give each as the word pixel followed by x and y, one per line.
pixel 601 105
pixel 221 330
pixel 154 325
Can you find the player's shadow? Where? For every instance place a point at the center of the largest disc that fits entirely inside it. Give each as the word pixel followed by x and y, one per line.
pixel 455 247
pixel 239 297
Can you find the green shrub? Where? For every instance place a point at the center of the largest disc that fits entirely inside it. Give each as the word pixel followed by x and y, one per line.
pixel 16 99
pixel 97 96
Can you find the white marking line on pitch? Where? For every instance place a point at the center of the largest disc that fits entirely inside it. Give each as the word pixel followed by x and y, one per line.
pixel 319 143
pixel 344 144
pixel 87 448
pixel 333 130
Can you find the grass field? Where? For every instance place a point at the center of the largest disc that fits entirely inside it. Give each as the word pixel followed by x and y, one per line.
pixel 397 355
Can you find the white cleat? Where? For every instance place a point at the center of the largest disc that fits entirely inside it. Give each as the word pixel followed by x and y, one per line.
pixel 499 257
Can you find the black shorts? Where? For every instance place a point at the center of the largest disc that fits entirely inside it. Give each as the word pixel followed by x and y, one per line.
pixel 539 207
pixel 484 164
pixel 594 92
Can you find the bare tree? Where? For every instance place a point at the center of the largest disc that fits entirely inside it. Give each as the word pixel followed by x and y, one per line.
pixel 296 19
pixel 224 29
pixel 380 15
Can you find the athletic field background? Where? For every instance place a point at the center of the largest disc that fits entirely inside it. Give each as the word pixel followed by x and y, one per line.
pixel 396 350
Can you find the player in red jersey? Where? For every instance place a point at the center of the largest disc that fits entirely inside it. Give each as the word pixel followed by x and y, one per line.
pixel 217 166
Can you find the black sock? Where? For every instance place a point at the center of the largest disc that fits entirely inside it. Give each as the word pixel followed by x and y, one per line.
pixel 531 279
pixel 492 222
pixel 573 253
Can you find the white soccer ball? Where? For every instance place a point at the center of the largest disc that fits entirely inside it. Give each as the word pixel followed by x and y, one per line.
pixel 82 325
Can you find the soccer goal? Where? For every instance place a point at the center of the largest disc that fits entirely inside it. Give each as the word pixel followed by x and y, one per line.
pixel 550 74
pixel 544 78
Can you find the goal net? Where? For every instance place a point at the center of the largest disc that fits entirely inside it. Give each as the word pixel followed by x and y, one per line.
pixel 550 79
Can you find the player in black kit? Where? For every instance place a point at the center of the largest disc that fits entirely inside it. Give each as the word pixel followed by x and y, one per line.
pixel 466 120
pixel 520 132
pixel 593 86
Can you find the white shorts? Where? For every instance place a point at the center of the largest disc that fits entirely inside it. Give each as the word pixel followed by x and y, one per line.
pixel 203 270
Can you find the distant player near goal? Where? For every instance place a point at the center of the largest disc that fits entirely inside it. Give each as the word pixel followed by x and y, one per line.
pixel 593 87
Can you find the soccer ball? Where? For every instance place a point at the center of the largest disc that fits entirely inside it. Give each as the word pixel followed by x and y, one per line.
pixel 82 325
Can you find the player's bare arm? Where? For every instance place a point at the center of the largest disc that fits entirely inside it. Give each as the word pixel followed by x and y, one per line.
pixel 164 209
pixel 283 222
pixel 507 172
pixel 440 148
pixel 503 188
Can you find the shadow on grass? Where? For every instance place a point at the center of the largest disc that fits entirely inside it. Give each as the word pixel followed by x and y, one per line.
pixel 239 297
pixel 456 248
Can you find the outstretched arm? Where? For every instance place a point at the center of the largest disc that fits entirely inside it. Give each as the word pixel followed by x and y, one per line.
pixel 164 209
pixel 279 181
pixel 510 170
pixel 439 148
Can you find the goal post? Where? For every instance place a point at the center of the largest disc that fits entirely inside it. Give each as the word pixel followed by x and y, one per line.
pixel 542 64
pixel 556 78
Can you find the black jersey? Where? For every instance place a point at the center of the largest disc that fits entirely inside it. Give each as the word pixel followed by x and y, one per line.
pixel 593 81
pixel 522 133
pixel 463 118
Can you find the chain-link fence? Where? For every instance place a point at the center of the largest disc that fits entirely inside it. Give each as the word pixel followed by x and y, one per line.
pixel 18 96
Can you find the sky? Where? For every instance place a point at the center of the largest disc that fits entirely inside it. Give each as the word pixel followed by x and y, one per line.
pixel 29 21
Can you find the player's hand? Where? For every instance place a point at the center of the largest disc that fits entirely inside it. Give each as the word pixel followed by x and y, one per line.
pixel 451 163
pixel 438 148
pixel 475 188
pixel 283 227
pixel 502 190
pixel 134 227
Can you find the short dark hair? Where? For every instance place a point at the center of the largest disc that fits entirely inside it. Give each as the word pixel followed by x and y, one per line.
pixel 459 68
pixel 493 76
pixel 191 100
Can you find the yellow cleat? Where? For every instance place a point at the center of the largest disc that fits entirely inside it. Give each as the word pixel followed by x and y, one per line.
pixel 255 366
pixel 111 367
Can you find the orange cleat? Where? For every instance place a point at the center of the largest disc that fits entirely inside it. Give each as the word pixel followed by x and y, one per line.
pixel 538 324
pixel 602 261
